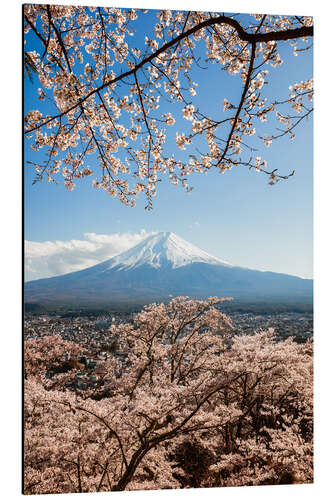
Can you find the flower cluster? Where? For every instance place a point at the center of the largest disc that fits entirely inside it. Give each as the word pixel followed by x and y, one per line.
pixel 106 93
pixel 180 386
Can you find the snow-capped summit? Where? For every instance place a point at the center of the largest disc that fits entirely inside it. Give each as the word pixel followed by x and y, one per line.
pixel 160 249
pixel 162 265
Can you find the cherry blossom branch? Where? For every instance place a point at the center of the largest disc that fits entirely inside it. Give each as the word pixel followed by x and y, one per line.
pixel 61 43
pixel 151 141
pixel 48 35
pixel 146 447
pixel 112 431
pixel 105 40
pixel 240 106
pixel 243 35
pixel 44 42
pixel 183 29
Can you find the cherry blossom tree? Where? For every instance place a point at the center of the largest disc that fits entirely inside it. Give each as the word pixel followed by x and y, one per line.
pixel 110 101
pixel 189 404
pixel 52 351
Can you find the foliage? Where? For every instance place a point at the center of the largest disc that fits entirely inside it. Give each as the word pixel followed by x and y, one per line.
pixel 107 93
pixel 29 66
pixel 188 405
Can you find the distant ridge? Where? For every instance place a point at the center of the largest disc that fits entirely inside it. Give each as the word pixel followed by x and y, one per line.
pixel 159 266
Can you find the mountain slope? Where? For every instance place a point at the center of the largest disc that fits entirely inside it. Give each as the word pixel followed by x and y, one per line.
pixel 163 265
pixel 162 249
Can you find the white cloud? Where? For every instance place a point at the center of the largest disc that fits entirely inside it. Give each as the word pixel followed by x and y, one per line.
pixel 53 258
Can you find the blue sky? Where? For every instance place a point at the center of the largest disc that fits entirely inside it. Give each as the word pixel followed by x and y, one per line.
pixel 236 216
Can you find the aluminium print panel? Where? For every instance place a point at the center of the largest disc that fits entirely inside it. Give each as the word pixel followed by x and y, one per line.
pixel 167 319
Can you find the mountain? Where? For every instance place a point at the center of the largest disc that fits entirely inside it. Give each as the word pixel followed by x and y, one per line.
pixel 162 265
pixel 159 250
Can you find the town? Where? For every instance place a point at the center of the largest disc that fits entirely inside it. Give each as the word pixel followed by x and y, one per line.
pixel 93 333
pixel 287 324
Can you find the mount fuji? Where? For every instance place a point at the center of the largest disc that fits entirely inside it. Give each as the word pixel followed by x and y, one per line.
pixel 161 266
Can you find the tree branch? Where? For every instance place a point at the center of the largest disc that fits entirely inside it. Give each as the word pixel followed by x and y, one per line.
pixel 253 38
pixel 246 87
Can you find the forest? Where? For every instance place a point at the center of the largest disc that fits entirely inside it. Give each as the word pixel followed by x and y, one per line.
pixel 179 403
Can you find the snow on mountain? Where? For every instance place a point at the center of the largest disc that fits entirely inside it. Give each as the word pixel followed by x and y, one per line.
pixel 162 265
pixel 160 249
